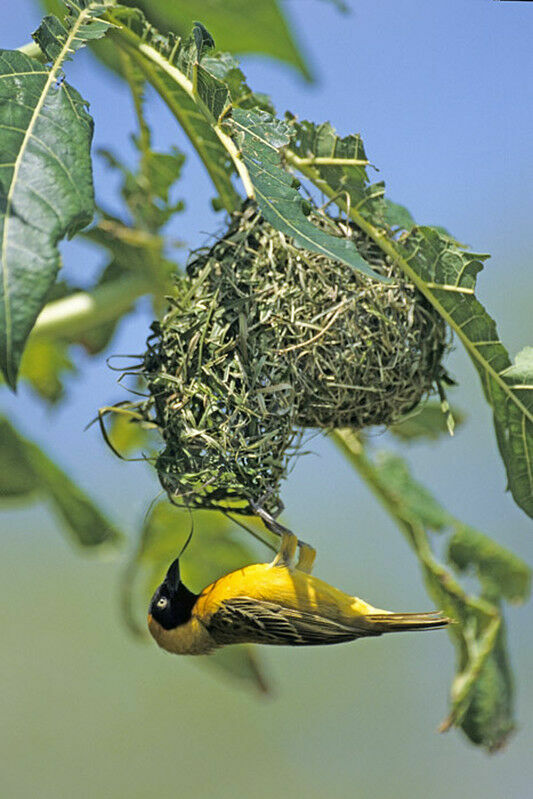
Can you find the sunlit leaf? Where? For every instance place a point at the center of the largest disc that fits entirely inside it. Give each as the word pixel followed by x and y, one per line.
pixel 45 364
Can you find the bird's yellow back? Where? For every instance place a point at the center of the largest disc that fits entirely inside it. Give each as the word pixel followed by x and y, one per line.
pixel 292 589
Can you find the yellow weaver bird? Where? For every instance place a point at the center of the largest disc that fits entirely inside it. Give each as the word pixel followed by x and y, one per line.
pixel 269 603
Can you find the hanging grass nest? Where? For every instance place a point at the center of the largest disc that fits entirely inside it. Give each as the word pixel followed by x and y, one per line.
pixel 262 339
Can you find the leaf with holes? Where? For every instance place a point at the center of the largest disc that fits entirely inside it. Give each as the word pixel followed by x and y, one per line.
pixel 447 275
pixel 261 139
pixel 236 25
pixel 168 64
pixel 340 162
pixel 81 25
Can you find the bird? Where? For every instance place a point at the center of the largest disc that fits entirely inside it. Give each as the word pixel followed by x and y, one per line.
pixel 278 603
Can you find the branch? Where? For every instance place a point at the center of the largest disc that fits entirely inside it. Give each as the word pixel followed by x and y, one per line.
pixel 79 312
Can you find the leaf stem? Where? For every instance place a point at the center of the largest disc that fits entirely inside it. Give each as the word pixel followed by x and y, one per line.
pixel 316 160
pixel 79 312
pixel 233 152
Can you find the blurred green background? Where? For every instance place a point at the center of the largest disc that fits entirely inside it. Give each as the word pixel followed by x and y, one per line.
pixel 440 94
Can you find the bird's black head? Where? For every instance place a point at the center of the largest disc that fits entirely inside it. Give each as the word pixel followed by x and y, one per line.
pixel 172 603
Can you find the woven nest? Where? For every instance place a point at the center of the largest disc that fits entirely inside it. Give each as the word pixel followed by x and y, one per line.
pixel 262 339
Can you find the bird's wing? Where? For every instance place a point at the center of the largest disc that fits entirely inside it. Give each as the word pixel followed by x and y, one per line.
pixel 244 619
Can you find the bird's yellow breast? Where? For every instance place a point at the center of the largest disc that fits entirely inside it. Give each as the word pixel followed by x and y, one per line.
pixel 190 638
pixel 293 589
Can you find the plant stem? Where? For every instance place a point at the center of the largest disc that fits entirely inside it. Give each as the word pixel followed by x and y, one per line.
pixel 317 160
pixel 158 71
pixel 79 312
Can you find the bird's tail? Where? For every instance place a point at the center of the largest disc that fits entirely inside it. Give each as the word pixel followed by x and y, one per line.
pixel 396 622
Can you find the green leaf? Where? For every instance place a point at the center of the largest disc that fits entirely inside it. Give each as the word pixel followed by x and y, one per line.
pixel 197 85
pixel 220 84
pixel 397 215
pixel 212 552
pixel 44 364
pixel 489 718
pixel 27 470
pixel 415 500
pixel 81 26
pixel 126 434
pixel 225 68
pixel 260 138
pixel 341 163
pixel 146 191
pixel 136 246
pixel 481 693
pixel 430 422
pixel 236 25
pixel 447 275
pixel 17 478
pixel 46 190
pixel 501 573
pixel 134 249
pixel 96 338
pixel 86 523
pixel 168 64
pixel 513 420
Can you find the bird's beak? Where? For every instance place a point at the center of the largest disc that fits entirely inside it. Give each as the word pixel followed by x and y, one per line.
pixel 172 578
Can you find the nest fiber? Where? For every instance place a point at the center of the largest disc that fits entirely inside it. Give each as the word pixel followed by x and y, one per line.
pixel 263 339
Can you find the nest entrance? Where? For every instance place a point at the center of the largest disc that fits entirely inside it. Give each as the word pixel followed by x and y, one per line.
pixel 262 339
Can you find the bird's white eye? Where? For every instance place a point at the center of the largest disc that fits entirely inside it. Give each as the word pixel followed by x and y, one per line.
pixel 162 602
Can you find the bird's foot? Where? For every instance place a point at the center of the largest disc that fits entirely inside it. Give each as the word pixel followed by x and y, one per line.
pixel 289 544
pixel 287 551
pixel 306 560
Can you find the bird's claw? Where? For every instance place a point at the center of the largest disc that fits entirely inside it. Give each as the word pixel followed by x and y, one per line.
pixel 289 543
